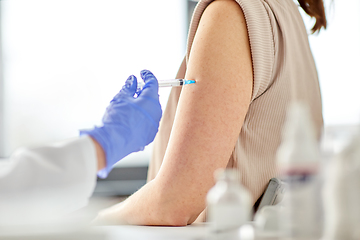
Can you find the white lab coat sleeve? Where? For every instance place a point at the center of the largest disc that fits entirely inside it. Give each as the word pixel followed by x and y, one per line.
pixel 47 182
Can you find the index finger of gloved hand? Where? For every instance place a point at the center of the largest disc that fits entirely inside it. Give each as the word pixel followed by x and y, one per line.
pixel 151 87
pixel 130 85
pixel 128 89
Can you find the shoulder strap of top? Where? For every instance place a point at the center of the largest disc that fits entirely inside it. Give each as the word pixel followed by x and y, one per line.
pixel 260 37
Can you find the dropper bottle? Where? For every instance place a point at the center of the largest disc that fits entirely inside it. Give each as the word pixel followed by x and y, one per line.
pixel 298 160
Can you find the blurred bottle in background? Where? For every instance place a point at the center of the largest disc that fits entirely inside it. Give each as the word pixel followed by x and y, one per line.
pixel 299 165
pixel 229 203
pixel 342 194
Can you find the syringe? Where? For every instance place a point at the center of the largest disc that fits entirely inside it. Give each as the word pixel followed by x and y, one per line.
pixel 168 83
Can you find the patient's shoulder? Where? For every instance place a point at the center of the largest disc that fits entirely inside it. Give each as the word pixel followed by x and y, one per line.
pixel 221 34
pixel 222 19
pixel 225 10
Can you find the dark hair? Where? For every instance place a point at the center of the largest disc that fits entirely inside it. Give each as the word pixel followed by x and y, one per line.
pixel 315 9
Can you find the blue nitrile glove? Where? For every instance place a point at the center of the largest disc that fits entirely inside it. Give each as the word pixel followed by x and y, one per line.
pixel 129 123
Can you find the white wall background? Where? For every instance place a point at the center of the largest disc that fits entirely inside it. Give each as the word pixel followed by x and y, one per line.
pixel 64 60
pixel 337 56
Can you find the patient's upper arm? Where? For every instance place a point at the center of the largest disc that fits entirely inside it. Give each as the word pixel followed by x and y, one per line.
pixel 210 113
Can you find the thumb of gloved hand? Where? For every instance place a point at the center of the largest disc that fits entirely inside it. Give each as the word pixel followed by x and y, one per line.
pixel 148 97
pixel 151 87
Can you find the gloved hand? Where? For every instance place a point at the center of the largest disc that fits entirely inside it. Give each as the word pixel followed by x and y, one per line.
pixel 130 123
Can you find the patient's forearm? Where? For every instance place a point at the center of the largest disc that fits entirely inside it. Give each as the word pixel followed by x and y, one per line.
pixel 148 206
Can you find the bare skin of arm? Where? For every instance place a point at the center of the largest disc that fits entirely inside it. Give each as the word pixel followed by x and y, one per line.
pixel 207 124
pixel 166 123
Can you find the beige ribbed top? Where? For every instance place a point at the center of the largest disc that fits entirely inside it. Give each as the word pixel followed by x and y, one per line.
pixel 284 70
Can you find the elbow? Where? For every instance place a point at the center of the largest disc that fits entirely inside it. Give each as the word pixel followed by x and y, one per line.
pixel 179 218
pixel 174 206
pixel 176 222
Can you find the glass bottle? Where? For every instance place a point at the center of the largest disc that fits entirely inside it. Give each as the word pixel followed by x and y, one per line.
pixel 229 203
pixel 298 160
pixel 342 194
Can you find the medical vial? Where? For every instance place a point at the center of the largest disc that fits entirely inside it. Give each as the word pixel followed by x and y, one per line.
pixel 229 203
pixel 342 194
pixel 298 160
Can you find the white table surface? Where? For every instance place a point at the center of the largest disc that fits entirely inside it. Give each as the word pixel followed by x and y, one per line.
pixel 191 232
pixel 105 233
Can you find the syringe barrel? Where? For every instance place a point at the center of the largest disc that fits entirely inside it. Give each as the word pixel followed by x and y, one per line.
pixel 171 83
pixel 164 83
